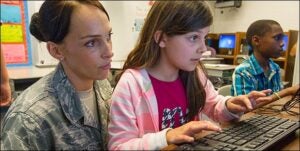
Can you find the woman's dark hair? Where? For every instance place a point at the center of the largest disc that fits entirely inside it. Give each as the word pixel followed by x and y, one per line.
pixel 172 18
pixel 52 21
pixel 259 28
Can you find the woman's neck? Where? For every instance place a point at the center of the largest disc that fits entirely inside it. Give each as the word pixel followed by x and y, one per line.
pixel 80 84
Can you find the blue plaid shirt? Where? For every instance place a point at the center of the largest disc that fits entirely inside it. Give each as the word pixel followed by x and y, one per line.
pixel 249 76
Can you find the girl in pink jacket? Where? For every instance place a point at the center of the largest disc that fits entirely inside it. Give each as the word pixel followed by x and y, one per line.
pixel 163 89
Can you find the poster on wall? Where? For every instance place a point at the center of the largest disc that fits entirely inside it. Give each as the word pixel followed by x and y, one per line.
pixel 15 40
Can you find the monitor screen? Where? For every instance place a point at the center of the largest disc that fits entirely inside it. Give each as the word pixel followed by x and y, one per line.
pixel 285 41
pixel 227 41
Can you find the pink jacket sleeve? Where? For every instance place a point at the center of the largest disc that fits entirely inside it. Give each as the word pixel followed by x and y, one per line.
pixel 215 104
pixel 132 116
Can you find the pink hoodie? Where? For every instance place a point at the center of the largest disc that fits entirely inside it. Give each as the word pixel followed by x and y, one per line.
pixel 134 114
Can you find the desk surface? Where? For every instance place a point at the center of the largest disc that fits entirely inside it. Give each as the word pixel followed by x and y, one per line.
pixel 219 66
pixel 211 58
pixel 16 73
pixel 291 144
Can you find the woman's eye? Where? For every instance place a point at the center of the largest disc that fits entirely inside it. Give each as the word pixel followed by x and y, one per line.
pixel 90 43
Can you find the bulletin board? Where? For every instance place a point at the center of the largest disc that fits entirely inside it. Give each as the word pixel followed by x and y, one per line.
pixel 15 39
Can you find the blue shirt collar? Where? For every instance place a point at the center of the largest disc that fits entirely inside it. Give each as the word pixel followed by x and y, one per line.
pixel 257 69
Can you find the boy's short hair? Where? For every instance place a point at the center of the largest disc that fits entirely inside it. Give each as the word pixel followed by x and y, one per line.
pixel 259 28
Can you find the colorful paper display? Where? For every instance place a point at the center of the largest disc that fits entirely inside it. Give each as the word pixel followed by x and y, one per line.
pixel 10 14
pixel 11 33
pixel 14 53
pixel 15 41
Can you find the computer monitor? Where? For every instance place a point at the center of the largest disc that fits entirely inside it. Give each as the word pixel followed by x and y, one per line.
pixel 227 41
pixel 285 41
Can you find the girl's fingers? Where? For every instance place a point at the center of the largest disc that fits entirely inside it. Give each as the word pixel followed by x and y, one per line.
pixel 257 94
pixel 236 108
pixel 204 125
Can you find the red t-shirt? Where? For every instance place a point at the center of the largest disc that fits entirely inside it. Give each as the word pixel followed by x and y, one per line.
pixel 171 101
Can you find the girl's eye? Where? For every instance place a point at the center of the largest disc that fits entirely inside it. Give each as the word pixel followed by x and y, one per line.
pixel 194 38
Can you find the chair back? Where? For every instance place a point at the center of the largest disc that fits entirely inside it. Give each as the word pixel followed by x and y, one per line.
pixel 225 90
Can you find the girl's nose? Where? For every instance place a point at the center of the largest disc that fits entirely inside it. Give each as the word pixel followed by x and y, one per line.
pixel 202 49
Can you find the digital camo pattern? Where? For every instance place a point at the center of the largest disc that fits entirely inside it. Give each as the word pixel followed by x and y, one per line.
pixel 48 115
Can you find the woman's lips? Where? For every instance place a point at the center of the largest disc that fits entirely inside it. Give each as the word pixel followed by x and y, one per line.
pixel 106 66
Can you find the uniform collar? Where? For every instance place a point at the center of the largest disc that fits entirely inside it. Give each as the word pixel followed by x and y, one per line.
pixel 67 96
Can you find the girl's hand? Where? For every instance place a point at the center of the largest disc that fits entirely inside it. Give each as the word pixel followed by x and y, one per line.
pixel 186 132
pixel 245 103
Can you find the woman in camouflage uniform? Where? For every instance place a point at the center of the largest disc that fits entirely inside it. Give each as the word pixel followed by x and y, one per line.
pixel 68 108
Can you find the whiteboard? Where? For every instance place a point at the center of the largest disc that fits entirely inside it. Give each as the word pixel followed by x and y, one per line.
pixel 44 59
pixel 41 56
pixel 126 18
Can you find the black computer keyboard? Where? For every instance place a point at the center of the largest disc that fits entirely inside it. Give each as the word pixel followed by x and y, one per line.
pixel 256 133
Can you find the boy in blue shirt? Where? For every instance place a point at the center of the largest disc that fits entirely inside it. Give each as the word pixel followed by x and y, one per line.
pixel 259 72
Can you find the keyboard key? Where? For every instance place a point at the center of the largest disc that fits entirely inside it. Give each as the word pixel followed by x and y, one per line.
pixel 224 139
pixel 231 141
pixel 241 142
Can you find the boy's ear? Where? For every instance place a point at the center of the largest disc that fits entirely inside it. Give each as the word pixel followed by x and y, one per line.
pixel 255 40
pixel 159 36
pixel 54 50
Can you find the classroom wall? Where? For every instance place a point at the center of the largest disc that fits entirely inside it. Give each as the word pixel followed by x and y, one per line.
pixel 238 19
pixel 127 18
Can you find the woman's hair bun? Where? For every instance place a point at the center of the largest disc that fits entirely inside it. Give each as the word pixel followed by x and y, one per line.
pixel 34 27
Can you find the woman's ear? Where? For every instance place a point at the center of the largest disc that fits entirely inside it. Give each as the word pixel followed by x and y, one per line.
pixel 55 51
pixel 160 37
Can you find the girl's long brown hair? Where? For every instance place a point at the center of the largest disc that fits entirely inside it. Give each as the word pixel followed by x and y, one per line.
pixel 172 18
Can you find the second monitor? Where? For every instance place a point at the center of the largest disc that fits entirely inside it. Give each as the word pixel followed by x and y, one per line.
pixel 227 43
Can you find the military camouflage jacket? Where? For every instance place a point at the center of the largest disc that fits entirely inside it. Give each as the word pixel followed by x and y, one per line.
pixel 48 115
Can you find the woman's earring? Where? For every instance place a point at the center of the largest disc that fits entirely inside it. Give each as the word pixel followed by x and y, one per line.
pixel 61 59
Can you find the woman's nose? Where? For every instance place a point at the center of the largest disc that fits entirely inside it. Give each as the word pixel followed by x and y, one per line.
pixel 108 54
pixel 108 50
